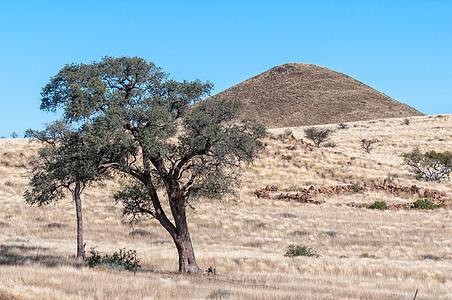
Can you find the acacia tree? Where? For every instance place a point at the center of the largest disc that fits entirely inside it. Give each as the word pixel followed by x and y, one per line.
pixel 66 162
pixel 170 140
pixel 317 135
pixel 432 165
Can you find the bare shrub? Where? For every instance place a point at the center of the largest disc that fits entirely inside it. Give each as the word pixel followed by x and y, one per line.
pixel 367 145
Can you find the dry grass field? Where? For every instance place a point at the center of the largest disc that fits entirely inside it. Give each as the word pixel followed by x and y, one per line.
pixel 363 253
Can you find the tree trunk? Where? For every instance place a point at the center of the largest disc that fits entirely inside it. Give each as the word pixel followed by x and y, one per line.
pixel 78 211
pixel 187 260
pixel 179 231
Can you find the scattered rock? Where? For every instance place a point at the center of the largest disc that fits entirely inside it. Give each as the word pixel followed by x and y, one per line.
pixel 307 195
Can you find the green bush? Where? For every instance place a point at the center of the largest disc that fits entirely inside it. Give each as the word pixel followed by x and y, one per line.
pixel 379 205
pixel 297 250
pixel 121 260
pixel 426 204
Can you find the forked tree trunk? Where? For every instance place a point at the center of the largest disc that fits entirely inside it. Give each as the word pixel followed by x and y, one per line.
pixel 78 211
pixel 181 236
pixel 179 230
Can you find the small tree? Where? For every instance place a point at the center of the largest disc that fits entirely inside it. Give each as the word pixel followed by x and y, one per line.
pixel 367 145
pixel 66 162
pixel 317 135
pixel 171 141
pixel 14 135
pixel 431 165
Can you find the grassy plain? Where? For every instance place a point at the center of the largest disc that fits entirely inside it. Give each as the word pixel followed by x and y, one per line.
pixel 364 254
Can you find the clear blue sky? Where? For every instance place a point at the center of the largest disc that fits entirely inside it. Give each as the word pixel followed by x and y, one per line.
pixel 400 48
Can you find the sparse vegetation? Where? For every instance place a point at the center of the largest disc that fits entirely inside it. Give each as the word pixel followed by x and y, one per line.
pixel 297 250
pixel 329 145
pixel 430 256
pixel 287 157
pixel 426 204
pixel 389 179
pixel 367 145
pixel 119 260
pixel 367 255
pixel 220 294
pixel 286 134
pixel 317 135
pixel 331 233
pixel 381 205
pixel 249 259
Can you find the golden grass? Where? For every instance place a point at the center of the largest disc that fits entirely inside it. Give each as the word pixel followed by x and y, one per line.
pixel 364 254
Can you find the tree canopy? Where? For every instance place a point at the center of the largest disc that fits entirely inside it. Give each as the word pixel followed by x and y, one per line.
pixel 159 133
pixel 68 161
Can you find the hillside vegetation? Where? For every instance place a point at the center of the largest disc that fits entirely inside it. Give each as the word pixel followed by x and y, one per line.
pixel 362 253
pixel 297 94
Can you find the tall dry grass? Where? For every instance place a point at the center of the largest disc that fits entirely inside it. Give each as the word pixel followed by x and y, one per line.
pixel 364 254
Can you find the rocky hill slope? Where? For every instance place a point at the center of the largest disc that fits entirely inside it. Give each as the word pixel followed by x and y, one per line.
pixel 297 94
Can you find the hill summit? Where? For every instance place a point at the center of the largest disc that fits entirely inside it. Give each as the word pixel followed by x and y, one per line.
pixel 298 94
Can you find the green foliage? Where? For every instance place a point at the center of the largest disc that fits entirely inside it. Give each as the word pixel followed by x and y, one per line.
pixel 431 165
pixel 128 106
pixel 379 205
pixel 120 260
pixel 297 250
pixel 356 189
pixel 317 135
pixel 426 204
pixel 66 159
pixel 156 132
pixel 367 255
pixel 14 135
